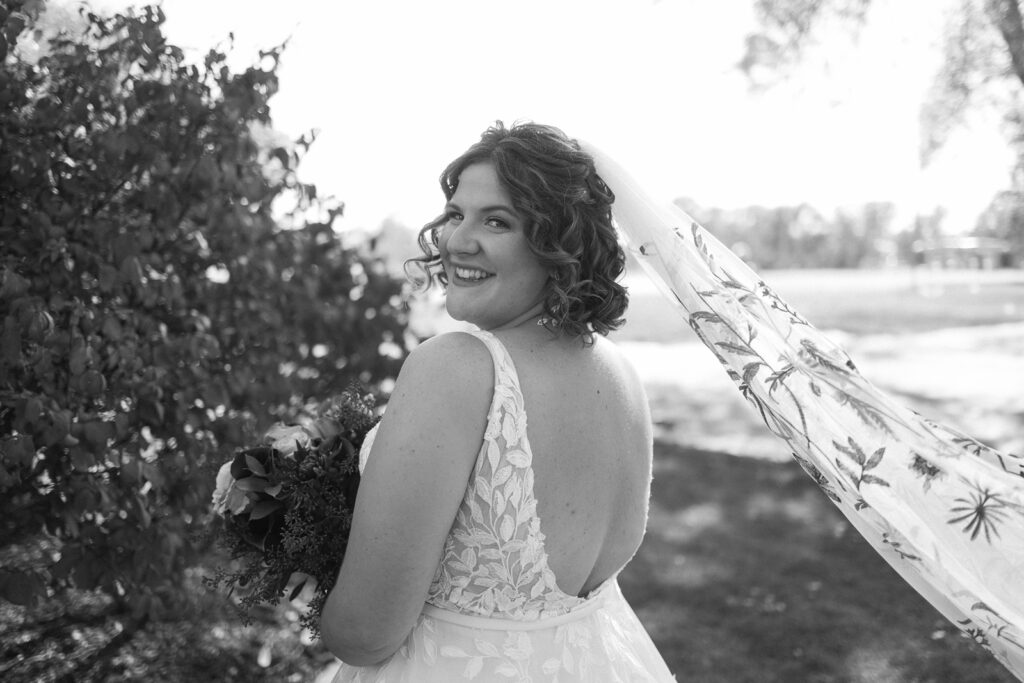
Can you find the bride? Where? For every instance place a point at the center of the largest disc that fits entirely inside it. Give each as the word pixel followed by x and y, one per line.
pixel 485 548
pixel 508 483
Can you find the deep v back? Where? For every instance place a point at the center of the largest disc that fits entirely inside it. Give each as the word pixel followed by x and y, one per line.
pixel 494 559
pixel 494 610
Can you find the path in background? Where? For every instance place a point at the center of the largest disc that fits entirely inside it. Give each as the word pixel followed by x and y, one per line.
pixel 969 378
pixel 948 344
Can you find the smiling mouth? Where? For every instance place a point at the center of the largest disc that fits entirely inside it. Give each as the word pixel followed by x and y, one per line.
pixel 470 275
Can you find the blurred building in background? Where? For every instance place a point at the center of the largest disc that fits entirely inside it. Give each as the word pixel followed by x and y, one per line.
pixel 965 251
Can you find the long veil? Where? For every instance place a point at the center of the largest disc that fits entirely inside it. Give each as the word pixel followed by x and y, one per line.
pixel 944 510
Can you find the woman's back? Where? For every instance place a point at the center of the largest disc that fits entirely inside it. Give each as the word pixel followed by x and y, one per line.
pixel 493 522
pixel 590 436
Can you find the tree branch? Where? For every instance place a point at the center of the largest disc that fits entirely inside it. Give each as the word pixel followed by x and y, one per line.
pixel 1007 17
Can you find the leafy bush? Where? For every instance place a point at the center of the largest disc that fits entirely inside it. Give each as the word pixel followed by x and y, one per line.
pixel 158 308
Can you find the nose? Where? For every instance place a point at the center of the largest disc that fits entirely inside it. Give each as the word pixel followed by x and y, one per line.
pixel 461 238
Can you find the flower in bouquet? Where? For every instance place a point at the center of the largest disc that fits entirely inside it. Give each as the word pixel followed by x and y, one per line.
pixel 286 505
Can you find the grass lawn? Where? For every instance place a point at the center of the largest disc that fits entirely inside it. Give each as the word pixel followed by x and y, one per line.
pixel 750 574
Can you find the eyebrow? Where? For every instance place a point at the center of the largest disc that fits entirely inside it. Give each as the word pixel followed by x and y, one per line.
pixel 486 209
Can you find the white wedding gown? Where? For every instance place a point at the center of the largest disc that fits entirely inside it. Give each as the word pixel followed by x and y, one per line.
pixel 494 611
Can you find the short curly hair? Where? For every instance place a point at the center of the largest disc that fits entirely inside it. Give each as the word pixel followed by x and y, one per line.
pixel 555 185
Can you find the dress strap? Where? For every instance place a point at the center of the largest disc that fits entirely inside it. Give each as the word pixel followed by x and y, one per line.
pixel 504 368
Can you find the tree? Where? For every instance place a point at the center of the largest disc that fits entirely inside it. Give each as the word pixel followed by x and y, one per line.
pixel 983 53
pixel 798 236
pixel 1004 219
pixel 156 308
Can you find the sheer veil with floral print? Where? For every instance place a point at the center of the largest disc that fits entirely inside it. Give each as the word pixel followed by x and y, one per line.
pixel 943 509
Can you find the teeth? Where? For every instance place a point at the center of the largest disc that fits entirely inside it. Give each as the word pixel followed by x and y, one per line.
pixel 471 273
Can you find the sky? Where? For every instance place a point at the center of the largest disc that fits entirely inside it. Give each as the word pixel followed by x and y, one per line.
pixel 397 88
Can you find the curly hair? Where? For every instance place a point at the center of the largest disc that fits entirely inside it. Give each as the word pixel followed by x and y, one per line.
pixel 555 185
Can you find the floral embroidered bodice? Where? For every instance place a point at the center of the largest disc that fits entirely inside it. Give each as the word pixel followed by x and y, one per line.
pixel 494 562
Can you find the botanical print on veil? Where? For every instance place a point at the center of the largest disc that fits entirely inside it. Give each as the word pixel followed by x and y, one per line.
pixel 943 509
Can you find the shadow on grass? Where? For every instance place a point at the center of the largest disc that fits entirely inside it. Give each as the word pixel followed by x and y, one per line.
pixel 748 573
pixel 82 637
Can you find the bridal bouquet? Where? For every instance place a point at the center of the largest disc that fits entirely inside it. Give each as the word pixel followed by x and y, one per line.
pixel 285 507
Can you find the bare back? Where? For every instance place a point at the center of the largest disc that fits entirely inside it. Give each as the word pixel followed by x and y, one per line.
pixel 589 427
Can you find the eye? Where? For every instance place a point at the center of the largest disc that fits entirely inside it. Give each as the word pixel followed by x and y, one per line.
pixel 499 223
pixel 453 216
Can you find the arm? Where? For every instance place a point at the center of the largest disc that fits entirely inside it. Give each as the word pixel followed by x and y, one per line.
pixel 408 497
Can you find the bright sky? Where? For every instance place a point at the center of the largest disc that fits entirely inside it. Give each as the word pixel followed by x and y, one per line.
pixel 398 88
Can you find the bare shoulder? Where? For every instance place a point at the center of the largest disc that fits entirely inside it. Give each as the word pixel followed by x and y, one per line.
pixel 610 354
pixel 448 376
pixel 455 359
pixel 451 345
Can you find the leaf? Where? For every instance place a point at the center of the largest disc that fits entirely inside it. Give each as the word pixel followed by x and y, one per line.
pixel 108 278
pixel 853 450
pixel 500 477
pixel 705 315
pixel 872 479
pixel 507 670
pixel 82 460
pixel 10 342
pixel 473 667
pixel 475 513
pixel 265 508
pixel 32 412
pixel 850 474
pixel 493 454
pixel 518 458
pixel 486 647
pixel 255 466
pixel 508 429
pixel 778 377
pixel 750 371
pixel 875 459
pixel 112 328
pixel 735 348
pixel 298 589
pixel 19 587
pixel 96 435
pixel 13 285
pixel 255 484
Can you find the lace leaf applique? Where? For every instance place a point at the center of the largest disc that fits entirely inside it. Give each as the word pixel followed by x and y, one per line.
pixel 498 520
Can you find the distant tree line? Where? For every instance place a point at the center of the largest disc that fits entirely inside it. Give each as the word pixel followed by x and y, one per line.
pixel 801 236
pixel 864 236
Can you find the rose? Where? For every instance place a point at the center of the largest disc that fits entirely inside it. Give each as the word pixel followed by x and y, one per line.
pixel 227 497
pixel 287 439
pixel 325 428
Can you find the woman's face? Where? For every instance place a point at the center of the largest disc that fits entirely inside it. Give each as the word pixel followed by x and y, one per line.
pixel 494 280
